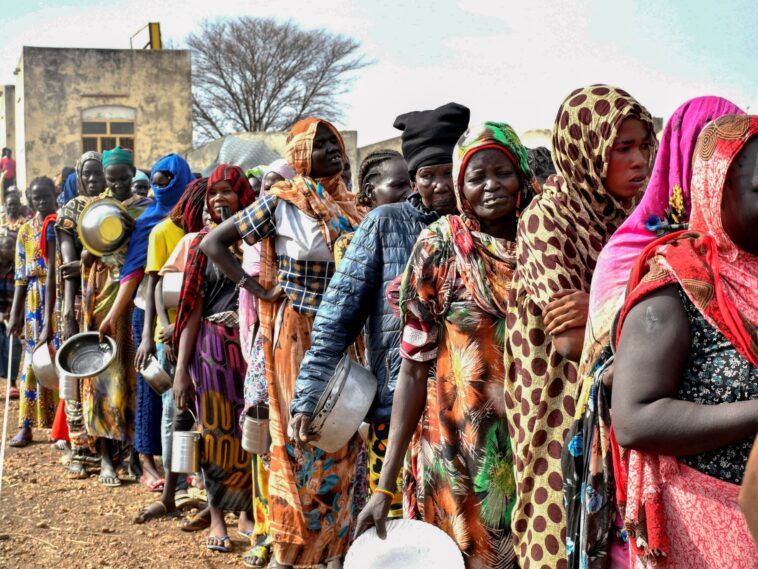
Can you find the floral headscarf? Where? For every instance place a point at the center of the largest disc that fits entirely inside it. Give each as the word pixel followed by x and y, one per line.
pixel 565 227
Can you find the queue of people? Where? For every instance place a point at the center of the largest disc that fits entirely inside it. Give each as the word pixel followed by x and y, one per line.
pixel 564 342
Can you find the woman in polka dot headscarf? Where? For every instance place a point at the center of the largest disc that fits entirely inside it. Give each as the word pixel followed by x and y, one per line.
pixel 603 147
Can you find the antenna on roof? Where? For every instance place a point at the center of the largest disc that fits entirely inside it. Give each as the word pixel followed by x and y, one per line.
pixel 154 36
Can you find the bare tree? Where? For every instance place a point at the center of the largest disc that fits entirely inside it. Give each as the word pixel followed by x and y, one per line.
pixel 257 74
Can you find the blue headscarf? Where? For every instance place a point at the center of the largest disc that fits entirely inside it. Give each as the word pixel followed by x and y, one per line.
pixel 70 189
pixel 165 199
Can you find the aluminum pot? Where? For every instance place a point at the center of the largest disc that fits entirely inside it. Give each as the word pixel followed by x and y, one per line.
pixel 83 355
pixel 101 226
pixel 155 376
pixel 256 438
pixel 185 452
pixel 68 389
pixel 172 286
pixel 343 405
pixel 43 364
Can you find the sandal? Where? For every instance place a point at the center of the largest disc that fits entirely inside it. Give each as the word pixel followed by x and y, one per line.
pixel 109 481
pixel 221 544
pixel 14 393
pixel 196 523
pixel 257 556
pixel 154 511
pixel 186 502
pixel 76 471
pixel 156 485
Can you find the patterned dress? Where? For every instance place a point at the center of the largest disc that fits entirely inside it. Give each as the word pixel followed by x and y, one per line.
pixel 463 480
pixel 36 404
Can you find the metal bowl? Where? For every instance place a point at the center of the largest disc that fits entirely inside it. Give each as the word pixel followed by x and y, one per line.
pixel 155 376
pixel 101 226
pixel 43 364
pixel 172 286
pixel 83 355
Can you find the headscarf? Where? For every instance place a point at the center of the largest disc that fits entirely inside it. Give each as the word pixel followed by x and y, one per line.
pixel 282 168
pixel 720 279
pixel 197 261
pixel 188 211
pixel 79 169
pixel 118 156
pixel 483 262
pixel 236 178
pixel 667 195
pixel 140 176
pixel 565 227
pixel 71 187
pixel 165 199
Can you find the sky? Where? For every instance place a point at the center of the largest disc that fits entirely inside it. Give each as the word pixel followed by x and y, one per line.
pixel 507 61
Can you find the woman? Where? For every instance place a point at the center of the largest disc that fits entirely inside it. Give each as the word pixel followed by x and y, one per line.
pixel 603 145
pixel 382 179
pixel 588 484
pixel 298 221
pixel 90 183
pixel 210 364
pixel 685 401
pixel 170 176
pixel 36 404
pixel 109 403
pixel 453 301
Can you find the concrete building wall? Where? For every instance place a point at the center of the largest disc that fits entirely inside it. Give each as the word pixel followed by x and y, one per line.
pixel 389 144
pixel 8 117
pixel 57 88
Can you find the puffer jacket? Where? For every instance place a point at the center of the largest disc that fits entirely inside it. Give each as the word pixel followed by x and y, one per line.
pixel 356 298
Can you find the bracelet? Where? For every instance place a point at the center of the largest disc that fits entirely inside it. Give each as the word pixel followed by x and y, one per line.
pixel 384 491
pixel 241 283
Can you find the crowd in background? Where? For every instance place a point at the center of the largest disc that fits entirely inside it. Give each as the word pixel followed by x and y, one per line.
pixel 564 341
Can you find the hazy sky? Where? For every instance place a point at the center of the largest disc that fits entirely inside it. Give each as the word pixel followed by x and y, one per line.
pixel 507 61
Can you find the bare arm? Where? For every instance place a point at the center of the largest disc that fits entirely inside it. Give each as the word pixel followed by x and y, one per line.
pixel 123 298
pixel 16 324
pixel 71 284
pixel 183 388
pixel 407 407
pixel 653 351
pixel 570 343
pixel 147 345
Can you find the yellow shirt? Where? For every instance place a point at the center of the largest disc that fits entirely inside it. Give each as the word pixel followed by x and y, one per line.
pixel 161 243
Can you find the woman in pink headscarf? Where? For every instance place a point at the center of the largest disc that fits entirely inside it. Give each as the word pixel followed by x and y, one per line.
pixel 586 463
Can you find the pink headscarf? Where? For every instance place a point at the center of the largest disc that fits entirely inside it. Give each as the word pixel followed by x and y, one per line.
pixel 673 169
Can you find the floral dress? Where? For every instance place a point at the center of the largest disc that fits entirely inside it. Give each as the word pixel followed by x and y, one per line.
pixel 462 478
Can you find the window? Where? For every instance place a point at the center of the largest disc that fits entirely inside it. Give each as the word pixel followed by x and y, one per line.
pixel 107 126
pixel 104 135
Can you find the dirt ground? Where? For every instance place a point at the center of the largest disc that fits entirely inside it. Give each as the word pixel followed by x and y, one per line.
pixel 48 521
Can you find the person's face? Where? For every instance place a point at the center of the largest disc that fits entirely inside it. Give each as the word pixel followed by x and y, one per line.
pixel 393 183
pixel 223 200
pixel 491 185
pixel 93 178
pixel 6 249
pixel 13 205
pixel 435 184
pixel 269 180
pixel 326 158
pixel 629 163
pixel 119 180
pixel 141 188
pixel 739 204
pixel 42 199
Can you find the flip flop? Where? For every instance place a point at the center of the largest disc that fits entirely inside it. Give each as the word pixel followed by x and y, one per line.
pixel 195 523
pixel 186 502
pixel 154 486
pixel 14 393
pixel 76 471
pixel 109 481
pixel 246 533
pixel 260 554
pixel 221 544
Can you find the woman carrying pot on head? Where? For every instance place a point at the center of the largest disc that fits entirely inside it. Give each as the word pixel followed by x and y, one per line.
pixel 36 404
pixel 210 369
pixel 603 147
pixel 685 402
pixel 298 223
pixel 453 300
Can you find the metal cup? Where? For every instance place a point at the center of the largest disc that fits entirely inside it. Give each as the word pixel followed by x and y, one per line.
pixel 68 387
pixel 185 452
pixel 256 438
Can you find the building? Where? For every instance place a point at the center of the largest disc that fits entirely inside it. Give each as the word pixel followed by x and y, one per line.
pixel 69 101
pixel 7 116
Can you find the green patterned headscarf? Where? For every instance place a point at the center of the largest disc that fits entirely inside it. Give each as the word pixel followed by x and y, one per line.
pixel 118 156
pixel 500 136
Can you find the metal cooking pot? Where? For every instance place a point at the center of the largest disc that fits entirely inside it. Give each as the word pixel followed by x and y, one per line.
pixel 185 452
pixel 343 405
pixel 101 226
pixel 155 376
pixel 83 355
pixel 172 286
pixel 43 364
pixel 256 438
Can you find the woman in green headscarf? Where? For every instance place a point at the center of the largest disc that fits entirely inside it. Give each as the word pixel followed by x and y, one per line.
pixel 453 300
